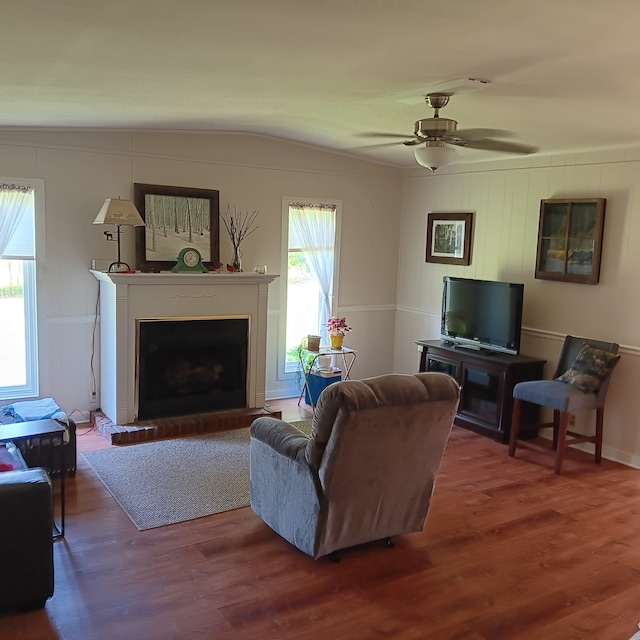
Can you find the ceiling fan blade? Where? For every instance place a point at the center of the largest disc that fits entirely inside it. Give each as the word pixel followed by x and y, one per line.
pixel 380 144
pixel 476 134
pixel 496 145
pixel 377 134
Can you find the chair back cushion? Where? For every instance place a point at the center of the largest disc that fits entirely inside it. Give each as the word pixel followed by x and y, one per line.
pixel 570 351
pixel 572 346
pixel 377 445
pixel 590 368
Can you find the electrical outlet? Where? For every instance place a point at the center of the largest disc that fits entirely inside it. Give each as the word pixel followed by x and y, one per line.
pixel 572 420
pixel 93 396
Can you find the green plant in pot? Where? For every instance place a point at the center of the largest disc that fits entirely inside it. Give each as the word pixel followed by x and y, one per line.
pixel 306 358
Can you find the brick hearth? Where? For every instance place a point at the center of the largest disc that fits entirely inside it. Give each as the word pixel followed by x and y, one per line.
pixel 177 427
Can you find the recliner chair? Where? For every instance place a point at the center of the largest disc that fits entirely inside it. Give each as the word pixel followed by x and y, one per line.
pixel 368 470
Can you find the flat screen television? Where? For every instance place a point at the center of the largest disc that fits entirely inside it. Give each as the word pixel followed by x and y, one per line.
pixel 482 314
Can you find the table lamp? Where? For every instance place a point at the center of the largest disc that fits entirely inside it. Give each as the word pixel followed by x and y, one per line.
pixel 119 212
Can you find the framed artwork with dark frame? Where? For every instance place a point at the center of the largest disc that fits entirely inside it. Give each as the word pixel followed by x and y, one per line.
pixel 176 218
pixel 449 238
pixel 570 240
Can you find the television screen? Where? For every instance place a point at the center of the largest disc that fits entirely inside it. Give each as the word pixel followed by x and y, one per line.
pixel 482 314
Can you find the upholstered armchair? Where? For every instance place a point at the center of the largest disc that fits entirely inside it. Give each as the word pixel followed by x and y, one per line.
pixel 368 470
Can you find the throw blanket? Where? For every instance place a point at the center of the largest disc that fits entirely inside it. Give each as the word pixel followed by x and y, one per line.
pixel 36 410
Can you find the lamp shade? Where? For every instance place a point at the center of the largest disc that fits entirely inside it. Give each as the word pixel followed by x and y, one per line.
pixel 118 211
pixel 434 154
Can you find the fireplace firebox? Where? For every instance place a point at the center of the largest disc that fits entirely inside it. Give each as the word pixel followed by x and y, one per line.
pixel 191 365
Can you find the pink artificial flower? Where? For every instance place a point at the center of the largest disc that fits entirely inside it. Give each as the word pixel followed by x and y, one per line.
pixel 338 326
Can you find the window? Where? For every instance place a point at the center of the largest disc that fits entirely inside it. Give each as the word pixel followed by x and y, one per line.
pixel 18 309
pixel 311 272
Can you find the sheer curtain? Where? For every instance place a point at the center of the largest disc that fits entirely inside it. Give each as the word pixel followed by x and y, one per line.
pixel 18 317
pixel 314 226
pixel 15 202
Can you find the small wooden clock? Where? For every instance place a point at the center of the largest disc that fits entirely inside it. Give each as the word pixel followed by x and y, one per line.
pixel 189 260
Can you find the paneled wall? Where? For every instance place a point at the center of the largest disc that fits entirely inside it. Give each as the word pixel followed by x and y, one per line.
pixel 382 253
pixel 505 200
pixel 82 168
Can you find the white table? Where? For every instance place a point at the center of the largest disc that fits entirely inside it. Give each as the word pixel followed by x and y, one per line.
pixel 348 357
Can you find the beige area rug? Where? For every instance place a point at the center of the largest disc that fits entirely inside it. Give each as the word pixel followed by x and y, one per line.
pixel 168 481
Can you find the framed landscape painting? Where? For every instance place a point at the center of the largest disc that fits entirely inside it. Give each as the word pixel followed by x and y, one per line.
pixel 449 238
pixel 176 218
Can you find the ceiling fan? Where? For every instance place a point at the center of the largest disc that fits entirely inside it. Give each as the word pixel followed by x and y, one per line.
pixel 436 134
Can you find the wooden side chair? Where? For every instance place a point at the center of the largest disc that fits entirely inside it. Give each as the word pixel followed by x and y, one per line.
pixel 580 383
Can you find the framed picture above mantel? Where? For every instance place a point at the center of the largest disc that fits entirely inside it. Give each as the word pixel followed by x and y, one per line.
pixel 449 238
pixel 176 218
pixel 570 240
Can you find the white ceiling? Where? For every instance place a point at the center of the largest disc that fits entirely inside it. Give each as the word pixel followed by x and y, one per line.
pixel 564 74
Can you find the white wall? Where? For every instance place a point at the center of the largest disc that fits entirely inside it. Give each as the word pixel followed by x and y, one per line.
pixel 505 199
pixel 82 168
pixel 383 244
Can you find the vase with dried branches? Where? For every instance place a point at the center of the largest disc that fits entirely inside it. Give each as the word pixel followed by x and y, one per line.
pixel 239 225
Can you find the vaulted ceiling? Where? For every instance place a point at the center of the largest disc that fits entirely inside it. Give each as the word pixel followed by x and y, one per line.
pixel 561 75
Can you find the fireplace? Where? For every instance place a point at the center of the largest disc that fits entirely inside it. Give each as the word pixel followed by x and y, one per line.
pixel 128 300
pixel 191 365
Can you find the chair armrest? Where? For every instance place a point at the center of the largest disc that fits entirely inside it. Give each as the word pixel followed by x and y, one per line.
pixel 281 436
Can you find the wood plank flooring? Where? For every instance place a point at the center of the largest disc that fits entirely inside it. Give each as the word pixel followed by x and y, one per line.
pixel 510 551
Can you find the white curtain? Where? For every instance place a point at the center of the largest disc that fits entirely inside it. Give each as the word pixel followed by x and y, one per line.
pixel 15 202
pixel 314 227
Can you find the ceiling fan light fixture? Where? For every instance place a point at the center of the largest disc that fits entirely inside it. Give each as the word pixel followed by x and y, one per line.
pixel 434 154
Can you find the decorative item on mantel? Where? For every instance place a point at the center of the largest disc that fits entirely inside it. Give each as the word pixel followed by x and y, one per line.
pixel 337 328
pixel 189 260
pixel 238 225
pixel 119 212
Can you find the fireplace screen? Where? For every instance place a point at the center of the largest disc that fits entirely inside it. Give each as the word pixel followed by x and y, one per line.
pixel 188 366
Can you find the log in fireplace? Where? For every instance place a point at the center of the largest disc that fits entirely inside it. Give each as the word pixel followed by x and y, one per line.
pixel 191 365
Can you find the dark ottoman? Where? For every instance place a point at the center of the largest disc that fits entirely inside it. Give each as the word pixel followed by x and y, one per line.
pixel 26 538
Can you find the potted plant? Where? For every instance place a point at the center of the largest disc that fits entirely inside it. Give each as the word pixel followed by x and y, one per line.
pixel 337 329
pixel 305 359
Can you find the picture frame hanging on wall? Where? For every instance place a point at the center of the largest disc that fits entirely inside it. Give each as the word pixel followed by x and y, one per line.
pixel 176 218
pixel 449 238
pixel 570 240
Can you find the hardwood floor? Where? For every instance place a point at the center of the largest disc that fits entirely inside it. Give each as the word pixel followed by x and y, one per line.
pixel 509 551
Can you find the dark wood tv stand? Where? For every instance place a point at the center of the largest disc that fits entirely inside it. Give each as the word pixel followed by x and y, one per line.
pixel 486 380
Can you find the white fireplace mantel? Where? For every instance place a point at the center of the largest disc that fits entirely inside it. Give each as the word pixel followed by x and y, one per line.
pixel 126 297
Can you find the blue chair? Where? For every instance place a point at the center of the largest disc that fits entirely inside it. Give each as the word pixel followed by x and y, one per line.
pixel 580 383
